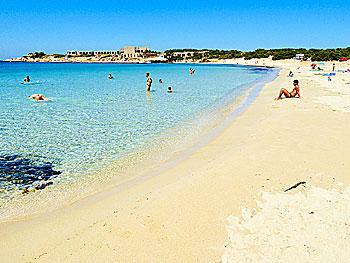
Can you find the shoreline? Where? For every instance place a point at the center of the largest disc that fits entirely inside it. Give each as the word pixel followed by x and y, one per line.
pixel 141 63
pixel 180 214
pixel 111 177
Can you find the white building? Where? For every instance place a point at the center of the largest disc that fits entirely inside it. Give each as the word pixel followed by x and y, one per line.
pixel 299 56
pixel 187 54
pixel 126 52
pixel 92 53
pixel 133 52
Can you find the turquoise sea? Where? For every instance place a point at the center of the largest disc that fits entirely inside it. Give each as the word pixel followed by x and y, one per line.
pixel 94 122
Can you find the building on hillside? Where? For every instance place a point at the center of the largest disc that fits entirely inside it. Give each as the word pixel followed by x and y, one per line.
pixel 187 54
pixel 143 49
pixel 126 52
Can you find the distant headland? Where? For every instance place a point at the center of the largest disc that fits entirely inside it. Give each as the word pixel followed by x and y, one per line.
pixel 132 54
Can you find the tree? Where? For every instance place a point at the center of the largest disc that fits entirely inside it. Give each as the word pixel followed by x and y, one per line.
pixel 37 55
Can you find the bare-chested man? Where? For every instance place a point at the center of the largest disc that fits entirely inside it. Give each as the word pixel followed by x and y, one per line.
pixel 293 93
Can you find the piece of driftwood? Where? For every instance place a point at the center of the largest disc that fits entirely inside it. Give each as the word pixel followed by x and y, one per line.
pixel 295 186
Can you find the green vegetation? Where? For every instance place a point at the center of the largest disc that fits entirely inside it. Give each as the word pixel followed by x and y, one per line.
pixel 206 54
pixel 85 55
pixel 58 55
pixel 178 58
pixel 223 54
pixel 276 54
pixel 37 55
pixel 312 54
pixel 152 51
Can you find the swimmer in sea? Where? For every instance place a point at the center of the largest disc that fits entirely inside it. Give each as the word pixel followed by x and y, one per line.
pixel 149 82
pixel 110 76
pixel 38 97
pixel 293 93
pixel 169 90
pixel 160 81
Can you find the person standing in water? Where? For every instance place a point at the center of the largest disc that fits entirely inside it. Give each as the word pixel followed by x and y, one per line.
pixel 27 79
pixel 149 82
pixel 110 76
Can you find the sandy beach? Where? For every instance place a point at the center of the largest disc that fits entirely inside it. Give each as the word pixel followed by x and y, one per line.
pixel 191 211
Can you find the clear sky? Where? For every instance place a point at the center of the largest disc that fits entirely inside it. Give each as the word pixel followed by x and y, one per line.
pixel 58 26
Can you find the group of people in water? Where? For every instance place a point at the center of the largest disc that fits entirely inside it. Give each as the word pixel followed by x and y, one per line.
pixel 295 92
pixel 149 83
pixel 37 97
pixel 41 97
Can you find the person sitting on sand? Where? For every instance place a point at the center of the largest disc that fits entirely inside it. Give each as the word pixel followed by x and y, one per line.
pixel 169 90
pixel 110 76
pixel 38 97
pixel 290 74
pixel 27 79
pixel 293 93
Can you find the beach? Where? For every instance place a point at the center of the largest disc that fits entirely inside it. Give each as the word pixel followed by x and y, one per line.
pixel 180 213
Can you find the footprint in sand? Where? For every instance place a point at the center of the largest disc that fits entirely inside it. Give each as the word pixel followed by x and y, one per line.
pixel 163 239
pixel 126 234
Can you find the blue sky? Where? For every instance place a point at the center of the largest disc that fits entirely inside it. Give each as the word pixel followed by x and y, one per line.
pixel 58 26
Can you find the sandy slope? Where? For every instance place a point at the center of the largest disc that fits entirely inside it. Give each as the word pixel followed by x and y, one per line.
pixel 180 214
pixel 310 226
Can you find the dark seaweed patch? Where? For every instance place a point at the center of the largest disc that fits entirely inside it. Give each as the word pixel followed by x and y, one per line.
pixel 22 172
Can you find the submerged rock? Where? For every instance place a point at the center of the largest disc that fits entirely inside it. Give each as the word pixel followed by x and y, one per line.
pixel 26 173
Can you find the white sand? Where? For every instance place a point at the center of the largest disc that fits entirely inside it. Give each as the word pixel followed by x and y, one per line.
pixel 179 214
pixel 305 227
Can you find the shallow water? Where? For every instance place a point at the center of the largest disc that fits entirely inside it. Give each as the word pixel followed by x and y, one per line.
pixel 93 121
